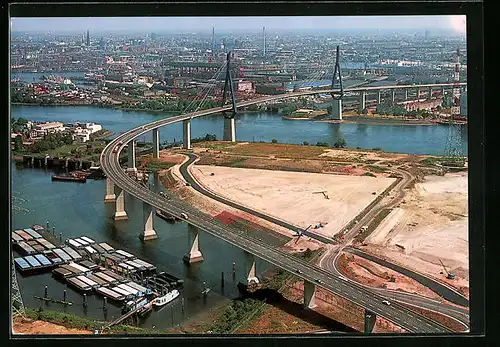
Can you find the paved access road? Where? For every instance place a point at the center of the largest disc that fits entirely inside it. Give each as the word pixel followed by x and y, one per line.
pixel 401 316
pixel 187 176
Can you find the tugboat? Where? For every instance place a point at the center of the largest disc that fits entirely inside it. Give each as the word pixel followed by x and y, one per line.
pixel 165 299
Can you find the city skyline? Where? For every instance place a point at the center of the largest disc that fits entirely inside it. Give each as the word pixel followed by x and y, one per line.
pixel 451 24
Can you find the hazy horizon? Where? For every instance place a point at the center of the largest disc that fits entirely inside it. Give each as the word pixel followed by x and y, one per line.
pixel 382 24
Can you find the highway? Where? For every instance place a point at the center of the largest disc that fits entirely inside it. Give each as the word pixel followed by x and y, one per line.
pixel 354 292
pixel 187 176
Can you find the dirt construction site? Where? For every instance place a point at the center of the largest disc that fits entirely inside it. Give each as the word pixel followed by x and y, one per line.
pixel 326 189
pixel 300 198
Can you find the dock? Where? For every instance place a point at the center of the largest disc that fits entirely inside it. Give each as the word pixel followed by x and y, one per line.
pixel 128 315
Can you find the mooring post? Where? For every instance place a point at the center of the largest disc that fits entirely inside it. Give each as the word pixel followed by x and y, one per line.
pixel 64 295
pixel 54 231
pixel 182 305
pixel 84 300
pixel 46 289
pixel 104 303
pixel 48 228
pixel 222 279
pixel 60 236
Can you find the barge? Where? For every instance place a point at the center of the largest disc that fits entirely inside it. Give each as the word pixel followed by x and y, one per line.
pixel 80 179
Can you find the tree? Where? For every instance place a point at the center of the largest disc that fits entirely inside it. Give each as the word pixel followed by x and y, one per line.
pixel 306 143
pixel 18 143
pixel 274 141
pixel 341 143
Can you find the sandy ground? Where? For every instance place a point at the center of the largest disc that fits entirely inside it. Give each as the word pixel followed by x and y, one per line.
pixel 291 196
pixel 30 327
pixel 176 184
pixel 430 225
pixel 360 156
pixel 377 276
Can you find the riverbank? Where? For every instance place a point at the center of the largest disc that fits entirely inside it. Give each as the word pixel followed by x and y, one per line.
pixel 382 120
pixel 52 322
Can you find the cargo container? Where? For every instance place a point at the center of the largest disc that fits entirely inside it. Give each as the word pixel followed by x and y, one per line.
pixel 106 247
pixel 79 284
pixel 110 294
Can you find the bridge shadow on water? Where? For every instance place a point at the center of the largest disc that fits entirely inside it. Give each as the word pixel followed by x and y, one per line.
pixel 276 299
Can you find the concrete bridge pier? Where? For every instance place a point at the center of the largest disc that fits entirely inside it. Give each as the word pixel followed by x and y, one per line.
pixel 393 96
pixel 194 254
pixel 149 233
pixel 419 92
pixel 442 91
pixel 45 161
pixel 229 129
pixel 336 109
pixel 156 143
pixel 110 191
pixel 186 134
pixel 430 93
pixel 370 319
pixel 120 213
pixel 379 98
pixel 309 295
pixel 252 278
pixel 406 94
pixel 131 156
pixel 362 100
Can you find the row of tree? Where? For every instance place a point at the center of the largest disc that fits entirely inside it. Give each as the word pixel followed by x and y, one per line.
pixel 340 143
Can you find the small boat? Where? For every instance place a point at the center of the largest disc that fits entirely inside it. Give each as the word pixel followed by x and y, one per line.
pixel 165 299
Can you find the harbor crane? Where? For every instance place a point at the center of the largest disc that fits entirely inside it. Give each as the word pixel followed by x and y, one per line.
pixel 449 275
pixel 324 194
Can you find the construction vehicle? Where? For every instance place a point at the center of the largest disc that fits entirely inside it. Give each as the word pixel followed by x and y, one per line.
pixel 449 275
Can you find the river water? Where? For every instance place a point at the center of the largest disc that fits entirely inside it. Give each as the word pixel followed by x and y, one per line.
pixel 79 209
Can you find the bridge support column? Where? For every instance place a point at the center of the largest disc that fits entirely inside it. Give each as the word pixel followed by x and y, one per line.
pixel 393 96
pixel 336 109
pixel 252 278
pixel 229 130
pixel 148 233
pixel 419 92
pixel 442 91
pixel 370 319
pixel 120 213
pixel 309 295
pixel 110 191
pixel 362 101
pixel 406 94
pixel 379 98
pixel 194 254
pixel 430 93
pixel 156 143
pixel 186 134
pixel 131 156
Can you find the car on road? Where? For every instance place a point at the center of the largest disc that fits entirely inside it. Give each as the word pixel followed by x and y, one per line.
pixel 319 281
pixel 385 302
pixel 183 215
pixel 299 271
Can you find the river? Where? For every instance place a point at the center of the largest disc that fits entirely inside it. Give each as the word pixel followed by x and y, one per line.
pixel 79 209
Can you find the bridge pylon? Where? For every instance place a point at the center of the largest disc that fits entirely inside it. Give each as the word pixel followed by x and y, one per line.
pixel 336 110
pixel 229 127
pixel 309 295
pixel 194 255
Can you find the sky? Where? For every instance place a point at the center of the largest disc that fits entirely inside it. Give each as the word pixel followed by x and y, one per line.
pixel 192 24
